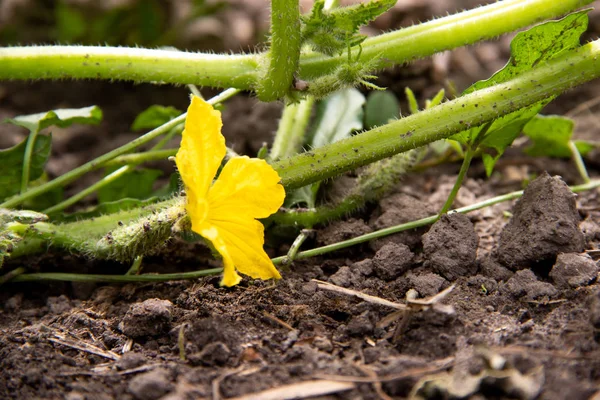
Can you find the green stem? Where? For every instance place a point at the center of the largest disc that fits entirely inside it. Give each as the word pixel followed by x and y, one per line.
pixel 139 158
pixel 9 276
pixel 417 224
pixel 243 71
pixel 108 179
pixel 458 183
pixel 126 63
pixel 570 69
pixel 135 266
pixel 60 276
pixel 283 56
pixel 295 247
pixel 442 34
pixel 292 129
pixel 100 161
pixel 27 159
pixel 82 235
pixel 576 155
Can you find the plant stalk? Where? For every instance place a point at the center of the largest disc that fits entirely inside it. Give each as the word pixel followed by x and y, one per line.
pixel 276 80
pixel 245 71
pixel 572 68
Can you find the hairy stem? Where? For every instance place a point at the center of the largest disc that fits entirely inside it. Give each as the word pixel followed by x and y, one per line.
pixel 445 33
pixel 292 129
pixel 131 64
pixel 245 71
pixel 283 56
pixel 552 78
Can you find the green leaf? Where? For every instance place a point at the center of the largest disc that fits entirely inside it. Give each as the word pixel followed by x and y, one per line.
pixel 11 160
pixel 550 136
pixel 137 184
pixel 50 197
pixel 584 146
pixel 528 49
pixel 332 32
pixel 171 188
pixel 70 23
pixel 305 196
pixel 154 116
pixel 381 107
pixel 62 118
pixel 413 106
pixel 338 116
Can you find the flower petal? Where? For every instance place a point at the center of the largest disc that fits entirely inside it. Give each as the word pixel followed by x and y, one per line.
pixel 248 187
pixel 230 277
pixel 202 147
pixel 240 241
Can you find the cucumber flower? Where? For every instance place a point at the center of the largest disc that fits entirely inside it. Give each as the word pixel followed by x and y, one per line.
pixel 225 211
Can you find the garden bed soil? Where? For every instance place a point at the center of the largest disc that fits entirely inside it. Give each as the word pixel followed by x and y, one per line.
pixel 518 315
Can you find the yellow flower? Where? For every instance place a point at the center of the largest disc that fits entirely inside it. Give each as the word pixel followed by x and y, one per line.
pixel 225 212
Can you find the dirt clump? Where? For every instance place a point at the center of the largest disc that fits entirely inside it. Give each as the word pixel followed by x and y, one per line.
pixel 151 317
pixel 450 246
pixel 524 283
pixel 398 209
pixel 392 260
pixel 342 230
pixel 150 385
pixel 573 270
pixel 427 284
pixel 545 223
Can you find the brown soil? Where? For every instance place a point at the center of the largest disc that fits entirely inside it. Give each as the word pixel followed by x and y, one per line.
pixel 521 321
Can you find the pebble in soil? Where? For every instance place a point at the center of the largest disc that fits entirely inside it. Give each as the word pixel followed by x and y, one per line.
pixel 545 223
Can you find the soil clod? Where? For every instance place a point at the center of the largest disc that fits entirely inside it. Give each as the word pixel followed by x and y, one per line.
pixel 573 270
pixel 392 260
pixel 150 385
pixel 545 223
pixel 524 283
pixel 148 318
pixel 450 246
pixel 398 209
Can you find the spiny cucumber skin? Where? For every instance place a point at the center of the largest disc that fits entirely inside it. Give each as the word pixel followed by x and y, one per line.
pixel 142 237
pixel 130 238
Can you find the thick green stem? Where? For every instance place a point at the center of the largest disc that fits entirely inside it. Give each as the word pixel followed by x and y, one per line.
pixel 244 71
pixel 292 129
pixel 132 64
pixel 283 56
pixel 570 69
pixel 445 33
